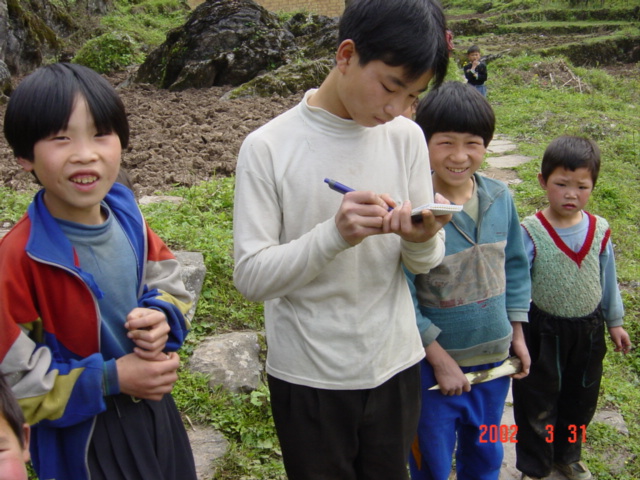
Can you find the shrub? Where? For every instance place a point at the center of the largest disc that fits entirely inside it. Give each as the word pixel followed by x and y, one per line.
pixel 109 52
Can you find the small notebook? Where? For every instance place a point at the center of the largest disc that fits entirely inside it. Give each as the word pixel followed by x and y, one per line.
pixel 436 208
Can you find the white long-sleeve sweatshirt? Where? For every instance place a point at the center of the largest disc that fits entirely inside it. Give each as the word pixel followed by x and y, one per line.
pixel 336 316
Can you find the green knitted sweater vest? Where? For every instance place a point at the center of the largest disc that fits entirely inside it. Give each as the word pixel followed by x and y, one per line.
pixel 565 283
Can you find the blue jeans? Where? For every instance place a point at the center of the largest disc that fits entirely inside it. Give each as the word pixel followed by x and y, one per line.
pixel 472 419
pixel 482 89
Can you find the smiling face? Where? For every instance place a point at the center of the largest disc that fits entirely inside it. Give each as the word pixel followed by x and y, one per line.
pixel 454 158
pixel 371 94
pixel 568 193
pixel 77 167
pixel 13 455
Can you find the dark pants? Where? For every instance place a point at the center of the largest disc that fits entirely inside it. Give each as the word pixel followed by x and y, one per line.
pixel 140 440
pixel 347 434
pixel 556 402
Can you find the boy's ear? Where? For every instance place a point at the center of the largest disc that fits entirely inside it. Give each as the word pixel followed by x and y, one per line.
pixel 542 181
pixel 27 165
pixel 345 54
pixel 26 432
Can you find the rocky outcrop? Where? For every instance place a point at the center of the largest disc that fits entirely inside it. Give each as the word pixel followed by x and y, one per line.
pixel 224 42
pixel 316 36
pixel 239 43
pixel 6 85
pixel 287 80
pixel 25 36
pixel 31 31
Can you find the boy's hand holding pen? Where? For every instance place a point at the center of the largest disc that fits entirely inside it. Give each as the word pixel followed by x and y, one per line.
pixel 365 213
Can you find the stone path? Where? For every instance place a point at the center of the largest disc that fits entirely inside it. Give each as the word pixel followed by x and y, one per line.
pixel 501 166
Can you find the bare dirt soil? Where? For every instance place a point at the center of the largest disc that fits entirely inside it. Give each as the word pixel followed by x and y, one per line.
pixel 177 138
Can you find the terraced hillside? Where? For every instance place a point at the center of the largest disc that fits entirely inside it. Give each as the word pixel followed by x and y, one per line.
pixel 587 37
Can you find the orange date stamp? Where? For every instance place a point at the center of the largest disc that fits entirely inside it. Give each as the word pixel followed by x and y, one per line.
pixel 508 434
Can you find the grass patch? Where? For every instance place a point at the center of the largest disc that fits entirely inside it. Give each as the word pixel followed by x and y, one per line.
pixel 148 21
pixel 131 30
pixel 203 223
pixel 13 205
pixel 245 421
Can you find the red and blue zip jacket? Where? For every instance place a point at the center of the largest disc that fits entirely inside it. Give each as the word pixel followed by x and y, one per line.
pixel 50 328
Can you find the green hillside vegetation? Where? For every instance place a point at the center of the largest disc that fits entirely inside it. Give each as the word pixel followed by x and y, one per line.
pixel 596 33
pixel 538 94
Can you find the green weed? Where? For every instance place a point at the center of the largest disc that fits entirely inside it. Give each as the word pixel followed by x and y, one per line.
pixel 203 223
pixel 13 205
pixel 109 52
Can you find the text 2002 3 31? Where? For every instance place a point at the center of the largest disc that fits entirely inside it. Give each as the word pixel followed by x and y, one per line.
pixel 508 433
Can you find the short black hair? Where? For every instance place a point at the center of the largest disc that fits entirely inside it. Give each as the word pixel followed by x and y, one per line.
pixel 43 102
pixel 473 49
pixel 456 107
pixel 10 410
pixel 570 153
pixel 407 33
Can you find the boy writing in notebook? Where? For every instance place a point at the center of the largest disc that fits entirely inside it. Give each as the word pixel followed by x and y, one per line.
pixel 343 350
pixel 471 307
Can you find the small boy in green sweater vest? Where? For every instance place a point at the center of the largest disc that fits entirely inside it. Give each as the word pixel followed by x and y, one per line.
pixel 574 293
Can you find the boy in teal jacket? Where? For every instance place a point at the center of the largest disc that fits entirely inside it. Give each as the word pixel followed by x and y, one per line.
pixel 469 308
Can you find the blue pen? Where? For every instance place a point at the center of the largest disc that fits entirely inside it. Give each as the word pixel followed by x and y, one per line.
pixel 337 186
pixel 340 188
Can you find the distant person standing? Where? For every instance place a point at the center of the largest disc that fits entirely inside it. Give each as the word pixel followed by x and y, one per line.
pixel 475 71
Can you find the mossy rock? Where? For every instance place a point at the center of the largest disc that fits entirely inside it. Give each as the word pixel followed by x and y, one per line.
pixel 286 80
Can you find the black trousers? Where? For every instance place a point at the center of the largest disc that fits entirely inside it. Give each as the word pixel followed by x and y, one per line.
pixel 555 403
pixel 140 440
pixel 347 434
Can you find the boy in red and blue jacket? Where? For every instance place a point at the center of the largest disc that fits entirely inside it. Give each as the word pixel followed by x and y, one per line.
pixel 92 305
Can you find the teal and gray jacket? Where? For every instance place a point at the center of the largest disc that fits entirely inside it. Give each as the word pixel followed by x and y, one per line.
pixel 483 283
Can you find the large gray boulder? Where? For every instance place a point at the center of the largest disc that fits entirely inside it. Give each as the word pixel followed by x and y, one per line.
pixel 231 360
pixel 224 42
